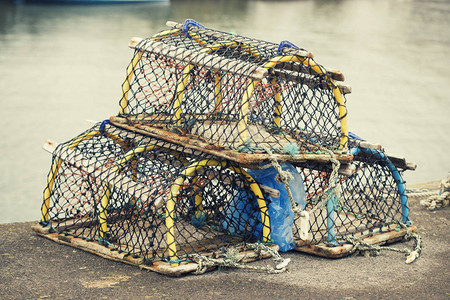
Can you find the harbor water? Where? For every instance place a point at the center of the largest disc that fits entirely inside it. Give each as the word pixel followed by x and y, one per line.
pixel 61 65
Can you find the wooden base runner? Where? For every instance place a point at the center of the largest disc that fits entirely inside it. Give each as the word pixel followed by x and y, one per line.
pixel 390 235
pixel 162 267
pixel 250 160
pixel 376 238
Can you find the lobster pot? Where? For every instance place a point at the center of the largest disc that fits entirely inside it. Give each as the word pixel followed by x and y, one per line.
pixel 195 164
pixel 149 198
pixel 233 92
pixel 371 201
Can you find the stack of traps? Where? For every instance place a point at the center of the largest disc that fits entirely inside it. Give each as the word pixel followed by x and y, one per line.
pixel 185 167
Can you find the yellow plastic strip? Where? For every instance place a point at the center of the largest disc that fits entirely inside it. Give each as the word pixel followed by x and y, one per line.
pixel 250 50
pixel 57 164
pixel 107 188
pixel 198 199
pixel 127 83
pixel 336 92
pixel 104 211
pixel 165 33
pixel 198 40
pixel 180 92
pixel 175 188
pixel 242 125
pixel 81 138
pixel 260 199
pixel 170 216
pixel 48 189
pixel 137 57
pixel 95 133
pixel 131 153
pixel 54 170
pixel 337 96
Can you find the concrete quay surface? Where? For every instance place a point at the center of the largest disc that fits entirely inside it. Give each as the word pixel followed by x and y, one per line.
pixel 32 267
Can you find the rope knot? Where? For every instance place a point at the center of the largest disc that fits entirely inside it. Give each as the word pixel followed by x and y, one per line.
pixel 283 176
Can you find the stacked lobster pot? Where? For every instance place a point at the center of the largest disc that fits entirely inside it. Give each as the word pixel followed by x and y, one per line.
pixel 222 141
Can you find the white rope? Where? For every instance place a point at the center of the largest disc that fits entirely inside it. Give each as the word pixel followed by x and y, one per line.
pixel 421 194
pixel 325 196
pixel 231 260
pixel 321 201
pixel 438 200
pixel 363 247
pixel 285 177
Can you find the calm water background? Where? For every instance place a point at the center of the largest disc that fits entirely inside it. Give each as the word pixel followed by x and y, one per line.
pixel 61 65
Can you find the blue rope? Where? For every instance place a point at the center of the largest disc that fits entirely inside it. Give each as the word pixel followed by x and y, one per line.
pixel 102 127
pixel 186 25
pixel 177 260
pixel 285 44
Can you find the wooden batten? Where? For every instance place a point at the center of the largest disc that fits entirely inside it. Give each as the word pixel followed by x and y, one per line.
pixel 375 238
pixel 250 160
pixel 199 58
pixel 397 160
pixel 335 74
pixel 346 169
pixel 401 162
pixel 239 39
pixel 310 80
pixel 270 191
pixel 365 144
pixel 300 68
pixel 49 146
pixel 184 267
